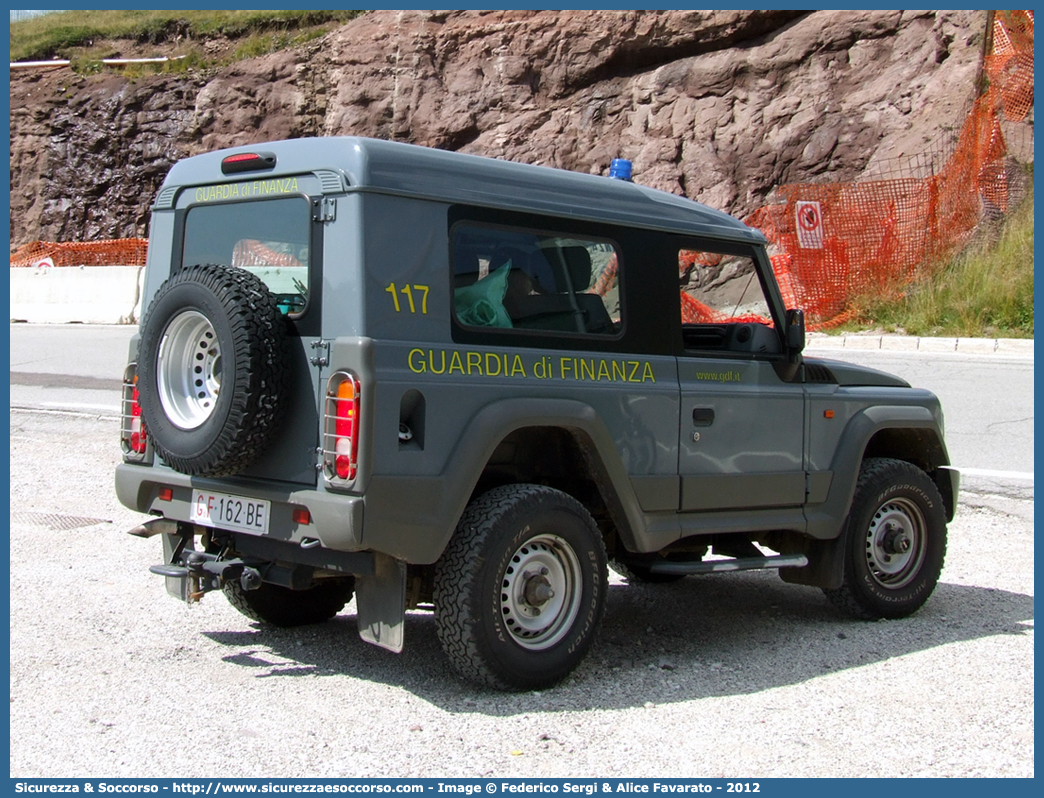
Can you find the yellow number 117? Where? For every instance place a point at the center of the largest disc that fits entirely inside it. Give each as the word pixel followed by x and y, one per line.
pixel 407 291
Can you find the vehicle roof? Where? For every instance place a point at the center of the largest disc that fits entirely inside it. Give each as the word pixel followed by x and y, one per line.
pixel 410 170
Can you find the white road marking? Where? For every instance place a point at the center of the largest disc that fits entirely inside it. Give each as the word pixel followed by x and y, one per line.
pixel 986 472
pixel 81 406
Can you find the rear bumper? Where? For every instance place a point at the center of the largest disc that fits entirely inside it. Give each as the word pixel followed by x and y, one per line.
pixel 336 519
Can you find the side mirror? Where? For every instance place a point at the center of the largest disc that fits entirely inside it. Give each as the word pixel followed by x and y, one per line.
pixel 795 331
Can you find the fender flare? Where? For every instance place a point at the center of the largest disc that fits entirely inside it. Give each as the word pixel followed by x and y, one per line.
pixel 423 543
pixel 828 522
pixel 823 519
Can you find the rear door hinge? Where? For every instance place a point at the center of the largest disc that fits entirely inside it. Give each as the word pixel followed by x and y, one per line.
pixel 324 209
pixel 322 357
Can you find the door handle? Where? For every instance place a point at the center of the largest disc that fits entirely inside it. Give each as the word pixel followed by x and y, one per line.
pixel 702 416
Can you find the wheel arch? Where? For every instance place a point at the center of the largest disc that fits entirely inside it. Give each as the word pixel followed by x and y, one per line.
pixel 901 432
pixel 562 443
pixel 479 462
pixel 565 457
pixel 924 448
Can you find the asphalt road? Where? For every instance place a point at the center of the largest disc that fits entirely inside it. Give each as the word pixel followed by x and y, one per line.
pixel 987 399
pixel 988 404
pixel 728 675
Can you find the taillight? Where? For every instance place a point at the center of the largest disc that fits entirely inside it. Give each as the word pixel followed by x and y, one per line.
pixel 341 434
pixel 134 438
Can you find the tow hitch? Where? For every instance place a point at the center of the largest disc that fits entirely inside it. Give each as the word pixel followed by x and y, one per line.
pixel 191 573
pixel 205 572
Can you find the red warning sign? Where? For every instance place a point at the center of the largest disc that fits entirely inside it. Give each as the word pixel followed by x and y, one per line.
pixel 809 225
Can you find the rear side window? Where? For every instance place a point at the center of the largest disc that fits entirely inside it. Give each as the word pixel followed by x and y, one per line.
pixel 519 279
pixel 270 238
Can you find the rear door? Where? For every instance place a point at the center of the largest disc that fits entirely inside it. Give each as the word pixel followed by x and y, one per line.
pixel 272 228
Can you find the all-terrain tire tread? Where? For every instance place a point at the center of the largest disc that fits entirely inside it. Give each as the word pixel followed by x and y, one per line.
pixel 278 606
pixel 457 566
pixel 461 563
pixel 846 598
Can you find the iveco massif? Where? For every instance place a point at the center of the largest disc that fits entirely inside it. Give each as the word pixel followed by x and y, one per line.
pixel 424 378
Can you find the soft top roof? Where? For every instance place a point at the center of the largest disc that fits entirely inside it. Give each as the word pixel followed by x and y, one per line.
pixel 410 170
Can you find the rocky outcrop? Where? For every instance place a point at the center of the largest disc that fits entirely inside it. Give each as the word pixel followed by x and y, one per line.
pixel 720 106
pixel 87 154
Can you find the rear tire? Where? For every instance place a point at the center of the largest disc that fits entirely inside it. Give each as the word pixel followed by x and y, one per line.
pixel 280 606
pixel 896 542
pixel 521 588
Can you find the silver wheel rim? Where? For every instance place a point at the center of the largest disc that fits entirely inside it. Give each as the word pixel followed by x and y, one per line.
pixel 189 370
pixel 540 592
pixel 895 543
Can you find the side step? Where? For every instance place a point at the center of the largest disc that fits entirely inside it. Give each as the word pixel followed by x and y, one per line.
pixel 737 564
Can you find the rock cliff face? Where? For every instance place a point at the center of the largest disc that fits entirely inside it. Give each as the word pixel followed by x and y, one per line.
pixel 720 106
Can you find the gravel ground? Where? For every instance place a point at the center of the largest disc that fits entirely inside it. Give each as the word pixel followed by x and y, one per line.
pixel 720 676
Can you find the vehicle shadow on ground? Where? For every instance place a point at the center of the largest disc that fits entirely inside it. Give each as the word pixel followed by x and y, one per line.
pixel 725 635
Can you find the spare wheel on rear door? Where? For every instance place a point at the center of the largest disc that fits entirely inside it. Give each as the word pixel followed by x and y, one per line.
pixel 212 369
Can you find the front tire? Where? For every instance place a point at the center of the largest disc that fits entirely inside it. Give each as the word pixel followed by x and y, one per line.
pixel 896 542
pixel 521 588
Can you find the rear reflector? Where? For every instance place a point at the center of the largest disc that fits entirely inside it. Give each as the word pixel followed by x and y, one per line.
pixel 166 494
pixel 248 162
pixel 302 516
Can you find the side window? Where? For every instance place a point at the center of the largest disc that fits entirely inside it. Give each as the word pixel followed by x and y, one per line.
pixel 723 305
pixel 518 279
pixel 267 237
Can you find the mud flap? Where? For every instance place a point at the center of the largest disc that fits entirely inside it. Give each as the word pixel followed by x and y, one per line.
pixel 826 564
pixel 381 603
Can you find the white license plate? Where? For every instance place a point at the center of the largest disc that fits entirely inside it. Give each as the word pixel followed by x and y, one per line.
pixel 221 511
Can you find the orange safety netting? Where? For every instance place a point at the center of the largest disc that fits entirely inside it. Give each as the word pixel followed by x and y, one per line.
pixel 833 242
pixel 113 252
pixel 1010 65
pixel 250 252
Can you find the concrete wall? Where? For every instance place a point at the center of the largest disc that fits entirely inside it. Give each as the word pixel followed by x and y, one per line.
pixel 88 294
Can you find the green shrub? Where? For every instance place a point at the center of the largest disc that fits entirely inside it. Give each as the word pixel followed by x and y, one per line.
pixel 986 291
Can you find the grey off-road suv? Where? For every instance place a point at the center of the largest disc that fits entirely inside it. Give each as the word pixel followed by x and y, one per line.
pixel 428 379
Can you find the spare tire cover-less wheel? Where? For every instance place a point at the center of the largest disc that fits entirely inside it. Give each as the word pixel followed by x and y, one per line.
pixel 212 369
